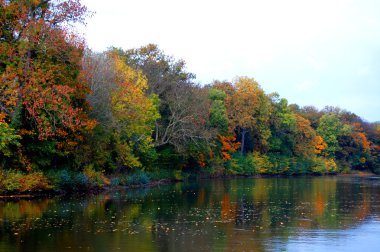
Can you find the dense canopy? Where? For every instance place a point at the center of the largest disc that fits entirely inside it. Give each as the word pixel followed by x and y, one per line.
pixel 65 107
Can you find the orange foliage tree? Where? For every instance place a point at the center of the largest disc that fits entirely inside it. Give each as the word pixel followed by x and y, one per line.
pixel 249 111
pixel 307 142
pixel 42 95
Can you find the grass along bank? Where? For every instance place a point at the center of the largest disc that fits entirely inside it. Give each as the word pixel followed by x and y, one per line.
pixel 13 182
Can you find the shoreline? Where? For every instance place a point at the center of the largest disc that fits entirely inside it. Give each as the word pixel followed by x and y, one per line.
pixel 156 183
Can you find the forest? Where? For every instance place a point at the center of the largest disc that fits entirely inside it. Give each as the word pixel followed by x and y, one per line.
pixel 71 118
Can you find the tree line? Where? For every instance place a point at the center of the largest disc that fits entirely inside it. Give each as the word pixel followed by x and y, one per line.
pixel 63 106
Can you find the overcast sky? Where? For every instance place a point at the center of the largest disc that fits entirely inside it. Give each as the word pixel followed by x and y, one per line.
pixel 320 52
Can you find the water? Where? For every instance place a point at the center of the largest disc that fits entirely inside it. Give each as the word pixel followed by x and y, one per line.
pixel 270 214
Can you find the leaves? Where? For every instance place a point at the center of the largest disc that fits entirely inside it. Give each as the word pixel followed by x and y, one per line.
pixel 229 145
pixel 8 137
pixel 330 128
pixel 126 114
pixel 40 59
pixel 320 144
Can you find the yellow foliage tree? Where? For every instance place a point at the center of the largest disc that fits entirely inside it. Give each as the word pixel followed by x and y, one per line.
pixel 125 113
pixel 134 113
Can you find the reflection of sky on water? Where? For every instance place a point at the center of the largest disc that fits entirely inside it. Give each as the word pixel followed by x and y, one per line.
pixel 365 237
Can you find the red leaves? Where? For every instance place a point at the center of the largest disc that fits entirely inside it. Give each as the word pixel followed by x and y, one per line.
pixel 229 145
pixel 52 110
pixel 42 59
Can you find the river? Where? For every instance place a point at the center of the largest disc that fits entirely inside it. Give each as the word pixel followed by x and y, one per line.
pixel 266 214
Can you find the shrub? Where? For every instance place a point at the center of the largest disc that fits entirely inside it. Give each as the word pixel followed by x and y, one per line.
pixel 250 164
pixel 61 179
pixel 262 163
pixel 232 166
pixel 299 165
pixel 159 174
pixel 138 178
pixel 10 181
pixel 96 178
pixel 242 165
pixel 81 181
pixel 116 181
pixel 34 181
pixel 71 181
pixel 331 165
pixel 324 165
pixel 281 164
pixel 17 182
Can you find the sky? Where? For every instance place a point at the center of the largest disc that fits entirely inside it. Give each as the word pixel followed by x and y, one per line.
pixel 320 52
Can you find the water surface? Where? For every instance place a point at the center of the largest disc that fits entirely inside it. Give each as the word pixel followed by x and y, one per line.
pixel 270 214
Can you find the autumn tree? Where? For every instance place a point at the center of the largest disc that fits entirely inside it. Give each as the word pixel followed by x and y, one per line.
pixel 42 96
pixel 307 142
pixel 355 147
pixel 183 105
pixel 121 106
pixel 248 112
pixel 225 142
pixel 312 114
pixel 292 134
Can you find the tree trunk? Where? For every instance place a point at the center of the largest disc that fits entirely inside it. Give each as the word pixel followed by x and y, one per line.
pixel 244 131
pixel 156 137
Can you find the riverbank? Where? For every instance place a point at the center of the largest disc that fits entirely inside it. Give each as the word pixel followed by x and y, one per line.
pixel 15 185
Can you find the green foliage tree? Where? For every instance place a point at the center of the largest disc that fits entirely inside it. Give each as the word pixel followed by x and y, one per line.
pixel 218 110
pixel 283 124
pixel 8 137
pixel 331 128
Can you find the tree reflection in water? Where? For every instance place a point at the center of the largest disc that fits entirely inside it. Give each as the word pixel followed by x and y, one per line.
pixel 222 215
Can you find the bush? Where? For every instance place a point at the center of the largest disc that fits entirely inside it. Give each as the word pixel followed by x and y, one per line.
pixel 138 178
pixel 331 165
pixel 299 165
pixel 242 165
pixel 61 179
pixel 71 181
pixel 116 181
pixel 95 178
pixel 34 181
pixel 281 164
pixel 81 181
pixel 159 174
pixel 262 163
pixel 324 165
pixel 10 181
pixel 17 182
pixel 250 164
pixel 216 166
pixel 232 166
